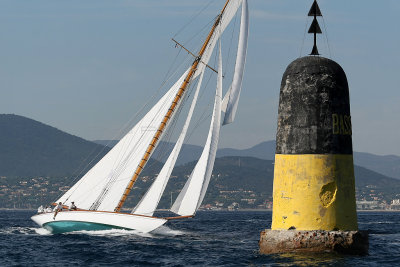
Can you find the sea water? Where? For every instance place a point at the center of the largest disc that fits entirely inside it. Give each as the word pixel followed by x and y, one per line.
pixel 209 239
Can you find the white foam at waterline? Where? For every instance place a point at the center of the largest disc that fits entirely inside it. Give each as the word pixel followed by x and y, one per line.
pixel 42 231
pixel 164 230
pixel 112 232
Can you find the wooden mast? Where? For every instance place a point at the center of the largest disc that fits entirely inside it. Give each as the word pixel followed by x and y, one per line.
pixel 168 116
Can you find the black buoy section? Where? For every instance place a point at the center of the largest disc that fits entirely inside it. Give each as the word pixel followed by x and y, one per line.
pixel 314 109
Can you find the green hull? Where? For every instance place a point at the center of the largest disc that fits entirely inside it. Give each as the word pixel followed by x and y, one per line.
pixel 59 227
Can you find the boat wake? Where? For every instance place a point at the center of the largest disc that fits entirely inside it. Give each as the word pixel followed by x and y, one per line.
pixel 161 231
pixel 166 231
pixel 24 231
pixel 110 233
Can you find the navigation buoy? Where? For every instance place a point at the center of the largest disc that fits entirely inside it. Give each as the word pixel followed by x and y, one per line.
pixel 314 206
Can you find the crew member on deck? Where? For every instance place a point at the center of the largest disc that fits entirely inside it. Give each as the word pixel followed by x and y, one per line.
pixel 73 207
pixel 40 209
pixel 57 209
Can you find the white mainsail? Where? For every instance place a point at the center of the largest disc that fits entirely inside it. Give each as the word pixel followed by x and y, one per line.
pixel 231 99
pixel 102 187
pixel 149 202
pixel 190 198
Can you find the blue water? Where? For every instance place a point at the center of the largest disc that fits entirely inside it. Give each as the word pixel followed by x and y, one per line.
pixel 210 239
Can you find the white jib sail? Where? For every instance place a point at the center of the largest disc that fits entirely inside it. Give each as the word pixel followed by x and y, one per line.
pixel 227 17
pixel 190 198
pixel 149 202
pixel 234 93
pixel 107 180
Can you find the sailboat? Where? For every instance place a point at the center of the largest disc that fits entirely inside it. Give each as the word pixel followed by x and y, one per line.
pixel 101 193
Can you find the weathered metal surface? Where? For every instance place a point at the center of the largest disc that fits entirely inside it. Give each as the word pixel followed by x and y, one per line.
pixel 314 109
pixel 314 192
pixel 345 242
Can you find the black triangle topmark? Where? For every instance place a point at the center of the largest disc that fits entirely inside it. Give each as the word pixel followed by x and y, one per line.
pixel 315 11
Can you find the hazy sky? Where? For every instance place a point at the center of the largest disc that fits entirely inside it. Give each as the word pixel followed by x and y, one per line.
pixel 86 67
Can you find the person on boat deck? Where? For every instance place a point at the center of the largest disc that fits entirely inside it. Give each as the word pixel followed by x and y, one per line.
pixel 57 209
pixel 40 209
pixel 73 207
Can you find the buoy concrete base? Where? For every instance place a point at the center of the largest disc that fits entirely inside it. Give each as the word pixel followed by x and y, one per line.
pixel 284 241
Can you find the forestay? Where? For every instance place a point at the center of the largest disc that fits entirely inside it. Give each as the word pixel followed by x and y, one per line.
pixel 101 188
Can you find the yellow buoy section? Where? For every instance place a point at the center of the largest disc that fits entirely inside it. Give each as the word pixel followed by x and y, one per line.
pixel 314 192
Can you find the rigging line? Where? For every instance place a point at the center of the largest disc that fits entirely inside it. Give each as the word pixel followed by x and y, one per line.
pixel 326 37
pixel 173 63
pixel 115 176
pixel 304 37
pixel 167 102
pixel 171 131
pixel 206 112
pixel 168 135
pixel 165 81
pixel 203 116
pixel 125 151
pixel 193 18
pixel 179 110
pixel 203 32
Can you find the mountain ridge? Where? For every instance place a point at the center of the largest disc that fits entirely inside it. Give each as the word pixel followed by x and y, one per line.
pixel 388 165
pixel 29 147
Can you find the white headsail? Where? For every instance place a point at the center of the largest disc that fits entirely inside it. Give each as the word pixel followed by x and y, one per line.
pixel 149 202
pixel 190 198
pixel 102 186
pixel 231 99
